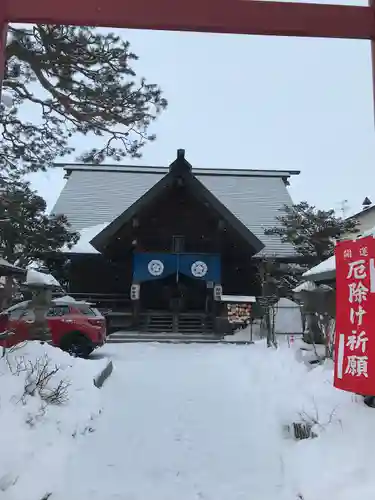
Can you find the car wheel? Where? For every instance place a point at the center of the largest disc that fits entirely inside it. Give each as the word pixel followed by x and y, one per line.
pixel 77 346
pixel 369 401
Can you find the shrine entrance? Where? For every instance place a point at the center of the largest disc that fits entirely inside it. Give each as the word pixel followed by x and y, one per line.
pixel 176 290
pixel 178 296
pixel 181 307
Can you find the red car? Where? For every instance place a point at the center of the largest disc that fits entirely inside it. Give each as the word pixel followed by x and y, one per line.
pixel 76 327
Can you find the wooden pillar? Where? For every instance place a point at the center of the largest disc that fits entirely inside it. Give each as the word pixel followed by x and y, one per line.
pixel 263 273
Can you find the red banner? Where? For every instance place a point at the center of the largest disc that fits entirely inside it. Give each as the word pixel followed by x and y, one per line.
pixel 355 316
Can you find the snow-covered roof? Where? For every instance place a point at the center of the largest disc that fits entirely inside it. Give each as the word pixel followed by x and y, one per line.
pixel 306 286
pixel 360 212
pixel 94 195
pixel 7 266
pixel 238 298
pixel 324 267
pixel 86 235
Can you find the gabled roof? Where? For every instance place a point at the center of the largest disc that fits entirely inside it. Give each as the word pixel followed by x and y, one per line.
pixel 98 194
pixel 182 169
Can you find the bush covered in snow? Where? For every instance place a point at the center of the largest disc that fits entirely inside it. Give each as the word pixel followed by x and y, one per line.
pixel 47 400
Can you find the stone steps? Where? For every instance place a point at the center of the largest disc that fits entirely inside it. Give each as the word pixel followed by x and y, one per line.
pixel 185 324
pixel 123 337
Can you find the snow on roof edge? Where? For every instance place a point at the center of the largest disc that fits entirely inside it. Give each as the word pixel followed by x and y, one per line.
pixel 83 245
pixel 325 266
pixel 306 286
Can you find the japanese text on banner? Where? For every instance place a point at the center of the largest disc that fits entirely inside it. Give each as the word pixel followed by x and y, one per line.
pixel 355 302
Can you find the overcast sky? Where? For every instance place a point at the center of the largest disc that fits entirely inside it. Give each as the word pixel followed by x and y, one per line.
pixel 262 103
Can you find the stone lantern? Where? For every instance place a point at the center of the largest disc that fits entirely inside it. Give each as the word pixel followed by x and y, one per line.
pixel 41 287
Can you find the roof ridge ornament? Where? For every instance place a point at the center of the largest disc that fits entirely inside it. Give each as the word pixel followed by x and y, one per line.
pixel 180 164
pixel 366 203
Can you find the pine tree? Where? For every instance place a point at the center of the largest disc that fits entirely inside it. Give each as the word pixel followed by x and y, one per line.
pixel 73 80
pixel 311 231
pixel 27 231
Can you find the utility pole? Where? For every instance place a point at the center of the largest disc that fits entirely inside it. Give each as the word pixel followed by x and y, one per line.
pixel 344 207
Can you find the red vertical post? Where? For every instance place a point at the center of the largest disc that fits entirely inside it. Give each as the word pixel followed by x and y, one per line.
pixel 3 39
pixel 372 5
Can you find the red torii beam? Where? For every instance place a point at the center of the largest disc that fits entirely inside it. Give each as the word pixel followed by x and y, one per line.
pixel 216 16
pixel 250 17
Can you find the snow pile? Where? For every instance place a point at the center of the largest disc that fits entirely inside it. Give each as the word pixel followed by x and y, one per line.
pixel 340 462
pixel 208 421
pixel 47 402
pixel 244 334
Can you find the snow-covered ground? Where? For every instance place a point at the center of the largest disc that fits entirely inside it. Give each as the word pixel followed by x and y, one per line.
pixel 202 421
pixel 193 422
pixel 37 435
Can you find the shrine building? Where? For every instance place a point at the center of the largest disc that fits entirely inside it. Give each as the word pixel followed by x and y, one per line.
pixel 159 246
